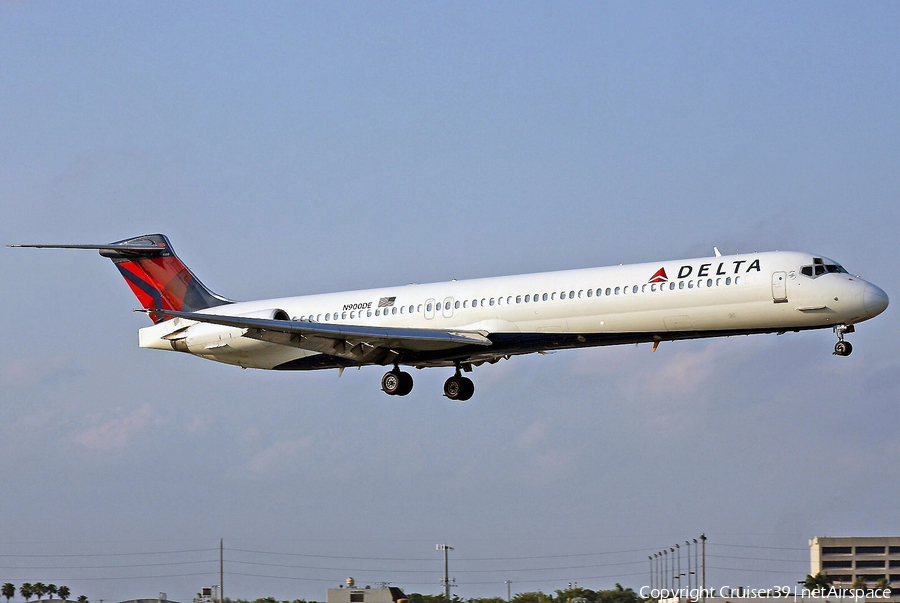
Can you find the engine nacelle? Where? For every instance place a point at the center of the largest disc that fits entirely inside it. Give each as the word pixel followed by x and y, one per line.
pixel 206 339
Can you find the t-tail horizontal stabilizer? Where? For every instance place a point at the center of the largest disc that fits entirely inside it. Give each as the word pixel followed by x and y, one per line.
pixel 155 274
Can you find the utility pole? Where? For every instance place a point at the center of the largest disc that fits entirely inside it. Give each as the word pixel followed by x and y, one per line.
pixel 508 591
pixel 221 571
pixel 446 548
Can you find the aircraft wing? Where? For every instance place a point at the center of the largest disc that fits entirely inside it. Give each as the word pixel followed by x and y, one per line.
pixel 354 342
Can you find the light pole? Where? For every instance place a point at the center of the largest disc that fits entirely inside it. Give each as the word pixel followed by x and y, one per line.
pixel 688 543
pixel 666 559
pixel 696 564
pixel 703 546
pixel 508 591
pixel 678 554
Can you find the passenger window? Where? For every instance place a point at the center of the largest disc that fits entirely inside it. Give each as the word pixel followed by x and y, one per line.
pixel 353 315
pixel 428 308
pixel 544 297
pixel 482 301
pixel 465 303
pixel 681 284
pixel 394 311
pixel 718 282
pixel 652 288
pixel 343 316
pixel 492 301
pixel 518 299
pixel 328 316
pixel 590 291
pixel 607 291
pixel 553 296
pixel 580 292
pixel 690 284
pixel 418 309
pixel 617 290
pixel 456 305
pixel 508 299
pixel 635 290
pixel 527 298
pixel 474 303
pixel 728 280
pixel 709 282
pixel 447 306
pixel 737 280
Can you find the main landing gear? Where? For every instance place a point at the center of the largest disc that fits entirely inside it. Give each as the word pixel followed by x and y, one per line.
pixel 843 348
pixel 398 383
pixel 458 387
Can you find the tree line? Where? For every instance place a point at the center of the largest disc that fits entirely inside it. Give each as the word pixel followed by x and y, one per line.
pixel 573 594
pixel 39 589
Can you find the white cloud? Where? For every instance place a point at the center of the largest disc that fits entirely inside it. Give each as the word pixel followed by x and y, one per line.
pixel 120 432
pixel 280 457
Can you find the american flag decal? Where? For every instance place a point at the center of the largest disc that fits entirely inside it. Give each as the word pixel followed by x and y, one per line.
pixel 386 302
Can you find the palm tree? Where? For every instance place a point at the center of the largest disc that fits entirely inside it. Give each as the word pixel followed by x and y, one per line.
pixel 51 590
pixel 9 591
pixel 819 581
pixel 859 583
pixel 83 599
pixel 63 592
pixel 39 589
pixel 882 583
pixel 26 590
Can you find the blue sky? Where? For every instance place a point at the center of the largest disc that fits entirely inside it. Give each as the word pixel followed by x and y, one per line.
pixel 291 148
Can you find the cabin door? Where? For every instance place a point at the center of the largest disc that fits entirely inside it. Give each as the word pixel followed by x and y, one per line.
pixel 779 287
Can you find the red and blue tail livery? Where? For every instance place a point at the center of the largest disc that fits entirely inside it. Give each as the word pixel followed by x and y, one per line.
pixel 158 278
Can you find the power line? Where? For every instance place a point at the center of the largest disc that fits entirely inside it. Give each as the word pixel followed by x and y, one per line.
pixel 432 558
pixel 57 555
pixel 428 571
pixel 81 567
pixel 760 559
pixel 750 546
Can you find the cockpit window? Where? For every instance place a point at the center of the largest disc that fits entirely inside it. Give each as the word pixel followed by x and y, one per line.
pixel 820 267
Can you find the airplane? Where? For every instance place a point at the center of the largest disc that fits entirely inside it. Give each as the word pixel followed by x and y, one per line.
pixel 466 323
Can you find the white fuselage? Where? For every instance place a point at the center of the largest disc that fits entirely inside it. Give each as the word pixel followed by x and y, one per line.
pixel 680 299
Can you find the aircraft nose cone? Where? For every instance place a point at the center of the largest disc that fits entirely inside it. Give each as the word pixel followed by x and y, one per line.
pixel 876 300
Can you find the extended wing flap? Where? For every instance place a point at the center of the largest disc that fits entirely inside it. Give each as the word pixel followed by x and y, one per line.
pixel 357 342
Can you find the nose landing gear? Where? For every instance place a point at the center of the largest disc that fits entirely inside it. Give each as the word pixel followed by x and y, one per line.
pixel 843 348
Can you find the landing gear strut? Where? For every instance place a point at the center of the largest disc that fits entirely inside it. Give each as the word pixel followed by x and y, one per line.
pixel 458 387
pixel 396 383
pixel 843 348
